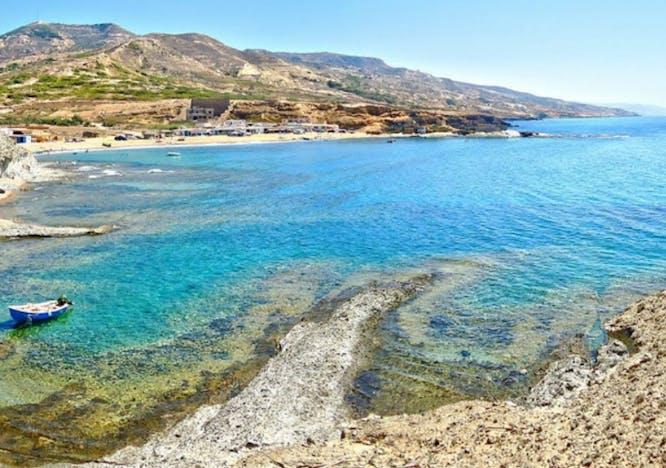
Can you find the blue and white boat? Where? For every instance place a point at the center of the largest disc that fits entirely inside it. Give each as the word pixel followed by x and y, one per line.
pixel 36 313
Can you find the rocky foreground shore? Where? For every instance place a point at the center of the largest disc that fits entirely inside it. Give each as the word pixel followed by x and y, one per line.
pixel 604 413
pixel 297 398
pixel 610 414
pixel 18 169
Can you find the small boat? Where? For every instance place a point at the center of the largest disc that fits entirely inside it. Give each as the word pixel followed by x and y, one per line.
pixel 173 154
pixel 36 313
pixel 390 141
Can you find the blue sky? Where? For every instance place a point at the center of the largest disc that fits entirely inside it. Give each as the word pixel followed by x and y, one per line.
pixel 587 50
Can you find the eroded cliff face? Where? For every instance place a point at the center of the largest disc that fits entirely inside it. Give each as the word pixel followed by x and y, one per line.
pixel 16 163
pixel 17 167
pixel 369 118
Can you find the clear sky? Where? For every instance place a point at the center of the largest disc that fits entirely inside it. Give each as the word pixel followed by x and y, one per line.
pixel 586 50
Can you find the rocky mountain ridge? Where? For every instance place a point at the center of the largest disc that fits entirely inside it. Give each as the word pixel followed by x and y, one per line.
pixel 50 73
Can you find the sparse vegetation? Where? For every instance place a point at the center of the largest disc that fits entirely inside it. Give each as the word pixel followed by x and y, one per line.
pixel 96 66
pixel 37 120
pixel 100 85
pixel 353 84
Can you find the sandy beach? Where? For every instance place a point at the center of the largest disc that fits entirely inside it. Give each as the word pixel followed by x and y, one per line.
pixel 102 143
pixel 108 143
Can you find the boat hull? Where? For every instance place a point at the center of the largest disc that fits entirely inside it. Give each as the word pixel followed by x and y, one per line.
pixel 21 316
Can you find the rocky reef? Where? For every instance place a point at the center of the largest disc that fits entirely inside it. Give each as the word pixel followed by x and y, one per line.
pixel 606 412
pixel 13 230
pixel 297 398
pixel 609 413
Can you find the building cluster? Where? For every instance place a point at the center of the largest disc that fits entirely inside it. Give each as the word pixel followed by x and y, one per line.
pixel 239 128
pixel 243 128
pixel 207 114
pixel 204 112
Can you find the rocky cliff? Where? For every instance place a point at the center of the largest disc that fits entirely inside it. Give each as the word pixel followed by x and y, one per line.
pixel 17 167
pixel 16 164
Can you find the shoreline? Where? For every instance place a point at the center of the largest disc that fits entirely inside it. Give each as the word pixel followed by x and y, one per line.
pixel 475 418
pixel 97 144
pixel 576 415
pixel 21 170
pixel 297 396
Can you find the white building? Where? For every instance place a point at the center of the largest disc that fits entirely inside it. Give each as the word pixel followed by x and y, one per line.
pixel 20 137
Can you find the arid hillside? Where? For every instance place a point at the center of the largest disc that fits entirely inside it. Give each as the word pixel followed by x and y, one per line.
pixel 58 74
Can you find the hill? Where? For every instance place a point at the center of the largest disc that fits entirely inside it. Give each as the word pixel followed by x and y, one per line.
pixel 38 39
pixel 71 74
pixel 648 110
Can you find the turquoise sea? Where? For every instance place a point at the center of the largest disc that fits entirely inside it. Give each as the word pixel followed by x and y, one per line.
pixel 220 250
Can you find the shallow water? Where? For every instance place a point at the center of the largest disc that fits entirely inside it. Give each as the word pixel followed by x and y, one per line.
pixel 533 240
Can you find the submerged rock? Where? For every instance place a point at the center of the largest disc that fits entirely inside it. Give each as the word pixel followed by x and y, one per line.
pixel 298 397
pixel 6 349
pixel 618 419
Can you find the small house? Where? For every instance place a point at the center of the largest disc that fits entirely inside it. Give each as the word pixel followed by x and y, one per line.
pixel 20 137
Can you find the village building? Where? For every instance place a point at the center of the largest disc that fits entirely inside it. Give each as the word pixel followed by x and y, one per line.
pixel 239 127
pixel 20 137
pixel 202 110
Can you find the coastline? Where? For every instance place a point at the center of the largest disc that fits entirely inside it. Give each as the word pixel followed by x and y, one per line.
pixel 452 430
pixel 298 396
pixel 20 169
pixel 615 418
pixel 572 421
pixel 97 144
pixel 33 173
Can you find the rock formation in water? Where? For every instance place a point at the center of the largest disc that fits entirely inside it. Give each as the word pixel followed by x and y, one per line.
pixel 298 397
pixel 608 413
pixel 19 166
pixel 11 229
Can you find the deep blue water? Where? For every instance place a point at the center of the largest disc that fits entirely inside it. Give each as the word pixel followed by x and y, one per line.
pixel 536 238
